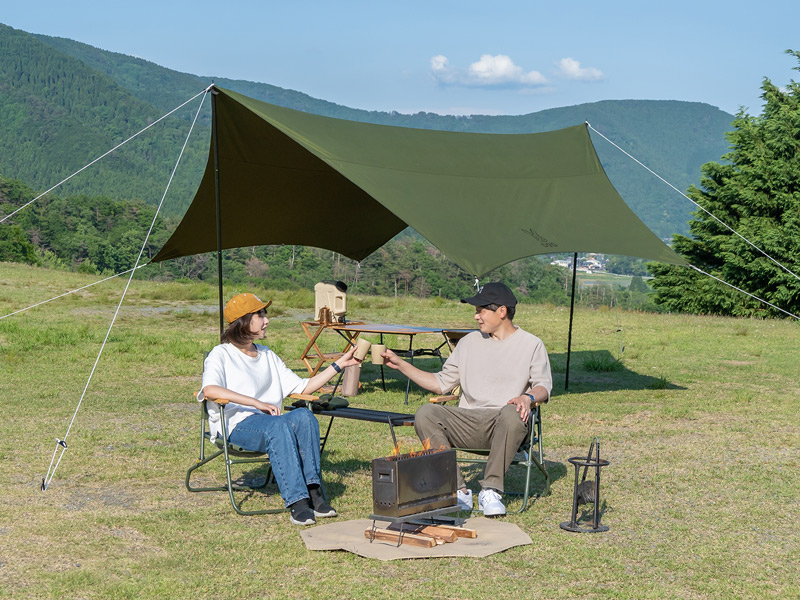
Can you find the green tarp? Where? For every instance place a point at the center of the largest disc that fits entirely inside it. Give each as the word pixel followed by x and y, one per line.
pixel 289 177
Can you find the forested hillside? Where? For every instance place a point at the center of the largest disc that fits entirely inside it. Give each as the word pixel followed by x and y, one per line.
pixel 58 114
pixel 67 102
pixel 103 236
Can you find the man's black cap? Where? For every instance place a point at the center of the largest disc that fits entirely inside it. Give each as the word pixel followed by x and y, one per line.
pixel 493 293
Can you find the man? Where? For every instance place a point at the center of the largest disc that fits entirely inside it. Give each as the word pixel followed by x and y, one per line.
pixel 502 370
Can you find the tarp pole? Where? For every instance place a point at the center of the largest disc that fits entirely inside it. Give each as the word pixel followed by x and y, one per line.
pixel 571 313
pixel 215 145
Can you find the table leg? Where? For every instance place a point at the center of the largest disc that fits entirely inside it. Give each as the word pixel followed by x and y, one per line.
pixel 312 343
pixel 383 379
pixel 350 338
pixel 325 438
pixel 394 437
pixel 411 356
pixel 336 385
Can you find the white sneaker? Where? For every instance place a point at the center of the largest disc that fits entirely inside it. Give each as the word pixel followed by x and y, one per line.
pixel 464 499
pixel 490 503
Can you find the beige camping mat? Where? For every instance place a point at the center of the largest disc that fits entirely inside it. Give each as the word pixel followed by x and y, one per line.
pixel 493 536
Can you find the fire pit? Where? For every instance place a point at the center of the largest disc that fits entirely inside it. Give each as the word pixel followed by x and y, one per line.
pixel 413 483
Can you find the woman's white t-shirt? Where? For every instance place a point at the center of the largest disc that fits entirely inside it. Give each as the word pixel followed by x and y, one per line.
pixel 264 377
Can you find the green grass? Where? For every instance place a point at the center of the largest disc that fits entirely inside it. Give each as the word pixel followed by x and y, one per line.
pixel 604 278
pixel 699 422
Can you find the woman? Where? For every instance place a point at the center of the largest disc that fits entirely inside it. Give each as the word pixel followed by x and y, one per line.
pixel 255 381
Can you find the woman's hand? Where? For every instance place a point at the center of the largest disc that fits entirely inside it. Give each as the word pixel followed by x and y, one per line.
pixel 219 392
pixel 347 359
pixel 268 408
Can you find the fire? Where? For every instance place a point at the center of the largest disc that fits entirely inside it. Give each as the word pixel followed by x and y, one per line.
pixel 426 449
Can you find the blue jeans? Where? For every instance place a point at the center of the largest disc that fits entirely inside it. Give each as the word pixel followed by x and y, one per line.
pixel 292 442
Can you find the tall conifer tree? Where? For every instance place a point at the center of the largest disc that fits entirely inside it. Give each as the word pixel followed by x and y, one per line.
pixel 757 193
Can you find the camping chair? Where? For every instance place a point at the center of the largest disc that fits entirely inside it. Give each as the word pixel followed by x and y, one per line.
pixel 529 455
pixel 233 455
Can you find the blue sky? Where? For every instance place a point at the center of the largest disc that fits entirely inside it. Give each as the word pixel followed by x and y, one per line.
pixel 451 57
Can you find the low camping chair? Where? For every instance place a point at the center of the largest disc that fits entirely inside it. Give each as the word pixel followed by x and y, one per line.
pixel 232 455
pixel 529 455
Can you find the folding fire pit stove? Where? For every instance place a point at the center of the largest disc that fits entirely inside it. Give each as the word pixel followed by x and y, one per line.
pixel 414 488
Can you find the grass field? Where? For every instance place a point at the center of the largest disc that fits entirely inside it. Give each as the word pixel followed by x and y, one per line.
pixel 604 278
pixel 698 416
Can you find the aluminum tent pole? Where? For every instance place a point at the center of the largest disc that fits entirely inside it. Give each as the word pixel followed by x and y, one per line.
pixel 571 313
pixel 214 93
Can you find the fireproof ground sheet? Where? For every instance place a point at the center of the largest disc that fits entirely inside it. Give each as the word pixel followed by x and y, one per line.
pixel 494 536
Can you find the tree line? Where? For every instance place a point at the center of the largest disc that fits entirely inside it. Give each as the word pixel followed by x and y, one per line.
pixel 746 233
pixel 747 229
pixel 65 103
pixel 103 236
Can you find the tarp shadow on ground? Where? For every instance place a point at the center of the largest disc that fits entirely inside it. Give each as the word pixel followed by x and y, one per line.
pixel 589 371
pixel 599 370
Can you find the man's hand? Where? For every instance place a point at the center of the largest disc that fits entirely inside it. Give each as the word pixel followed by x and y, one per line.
pixel 523 404
pixel 391 360
pixel 424 379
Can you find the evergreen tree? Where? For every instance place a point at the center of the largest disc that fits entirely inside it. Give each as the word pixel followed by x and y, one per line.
pixel 757 193
pixel 15 247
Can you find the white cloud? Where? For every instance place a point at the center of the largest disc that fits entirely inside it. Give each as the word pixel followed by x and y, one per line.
pixel 572 69
pixel 442 72
pixel 490 71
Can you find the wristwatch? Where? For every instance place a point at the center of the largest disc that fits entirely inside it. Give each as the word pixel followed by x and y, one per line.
pixel 336 367
pixel 533 400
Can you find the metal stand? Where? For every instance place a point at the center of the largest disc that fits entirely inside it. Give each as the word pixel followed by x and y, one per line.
pixel 596 463
pixel 428 517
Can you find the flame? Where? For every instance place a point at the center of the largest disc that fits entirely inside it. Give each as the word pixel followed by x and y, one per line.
pixel 426 449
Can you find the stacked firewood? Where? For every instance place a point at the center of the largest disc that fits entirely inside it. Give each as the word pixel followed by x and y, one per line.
pixel 424 536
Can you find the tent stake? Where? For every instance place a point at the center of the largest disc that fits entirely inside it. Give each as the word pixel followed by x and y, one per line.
pixel 571 312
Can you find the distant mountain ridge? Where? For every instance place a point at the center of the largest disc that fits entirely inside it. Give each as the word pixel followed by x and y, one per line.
pixel 67 102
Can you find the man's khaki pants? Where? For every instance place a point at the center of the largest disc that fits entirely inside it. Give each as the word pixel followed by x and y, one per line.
pixel 499 430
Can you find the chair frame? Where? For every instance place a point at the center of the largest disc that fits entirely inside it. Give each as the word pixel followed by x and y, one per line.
pixel 233 455
pixel 531 447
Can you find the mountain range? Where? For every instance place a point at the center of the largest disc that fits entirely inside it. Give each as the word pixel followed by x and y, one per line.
pixel 64 103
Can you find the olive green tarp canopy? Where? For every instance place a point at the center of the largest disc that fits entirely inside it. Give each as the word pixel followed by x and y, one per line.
pixel 289 177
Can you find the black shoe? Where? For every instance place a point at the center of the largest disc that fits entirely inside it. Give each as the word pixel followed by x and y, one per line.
pixel 300 513
pixel 321 508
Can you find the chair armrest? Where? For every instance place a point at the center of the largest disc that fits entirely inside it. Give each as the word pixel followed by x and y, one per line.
pixel 218 401
pixel 442 399
pixel 293 396
pixel 309 397
pixel 214 400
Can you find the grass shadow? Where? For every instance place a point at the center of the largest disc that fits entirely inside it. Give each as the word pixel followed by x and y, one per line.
pixel 515 477
pixel 590 371
pixel 593 370
pixel 586 517
pixel 335 473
